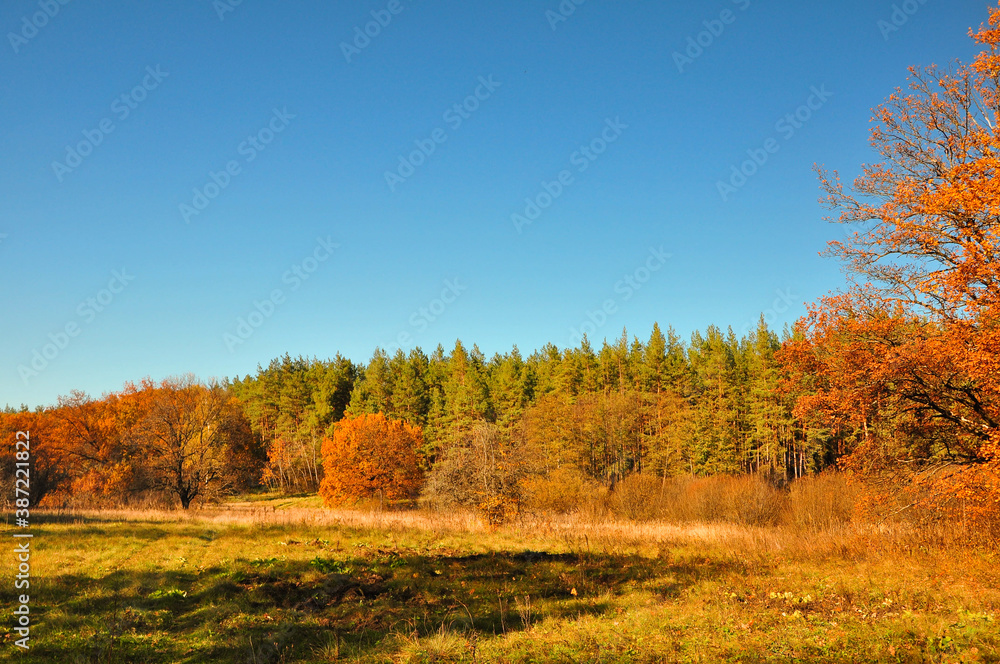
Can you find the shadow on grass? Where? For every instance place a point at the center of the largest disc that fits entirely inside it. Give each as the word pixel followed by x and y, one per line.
pixel 271 610
pixel 149 530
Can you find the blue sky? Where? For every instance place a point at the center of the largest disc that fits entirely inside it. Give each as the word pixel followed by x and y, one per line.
pixel 117 116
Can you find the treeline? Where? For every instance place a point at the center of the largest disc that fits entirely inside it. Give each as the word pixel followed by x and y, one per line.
pixel 712 405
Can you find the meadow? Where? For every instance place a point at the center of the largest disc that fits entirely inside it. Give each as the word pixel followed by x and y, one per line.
pixel 284 580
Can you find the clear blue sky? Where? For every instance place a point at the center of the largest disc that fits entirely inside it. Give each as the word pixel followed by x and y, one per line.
pixel 218 78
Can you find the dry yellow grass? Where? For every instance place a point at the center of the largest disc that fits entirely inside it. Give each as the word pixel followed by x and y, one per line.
pixel 281 580
pixel 580 531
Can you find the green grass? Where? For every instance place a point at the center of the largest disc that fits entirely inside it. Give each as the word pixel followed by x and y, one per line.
pixel 189 589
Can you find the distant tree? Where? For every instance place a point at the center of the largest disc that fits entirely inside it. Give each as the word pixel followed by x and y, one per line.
pixel 716 444
pixel 509 388
pixel 485 471
pixel 411 398
pixel 373 391
pixel 466 392
pixel 194 438
pixel 370 456
pixel 557 430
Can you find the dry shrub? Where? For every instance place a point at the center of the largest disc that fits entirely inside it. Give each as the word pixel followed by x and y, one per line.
pixel 966 498
pixel 817 502
pixel 639 498
pixel 704 499
pixel 561 491
pixel 747 500
pixel 135 500
pixel 756 501
pixel 484 471
pixel 822 501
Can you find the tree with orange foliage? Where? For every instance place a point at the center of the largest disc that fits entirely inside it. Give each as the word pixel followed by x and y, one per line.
pixel 104 466
pixel 194 438
pixel 50 468
pixel 908 357
pixel 369 456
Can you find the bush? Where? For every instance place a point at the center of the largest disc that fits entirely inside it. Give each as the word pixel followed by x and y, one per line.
pixel 640 498
pixel 370 456
pixel 561 491
pixel 822 501
pixel 748 500
pixel 484 471
pixel 757 502
pixel 945 501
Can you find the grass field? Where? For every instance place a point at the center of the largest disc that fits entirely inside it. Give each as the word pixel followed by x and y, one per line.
pixel 285 581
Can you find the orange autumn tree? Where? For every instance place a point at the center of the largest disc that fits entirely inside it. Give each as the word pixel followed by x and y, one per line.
pixel 49 472
pixel 193 439
pixel 104 466
pixel 370 456
pixel 907 359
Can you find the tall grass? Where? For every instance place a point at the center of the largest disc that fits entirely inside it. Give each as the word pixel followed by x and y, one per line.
pixel 829 509
pixel 747 500
pixel 815 514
